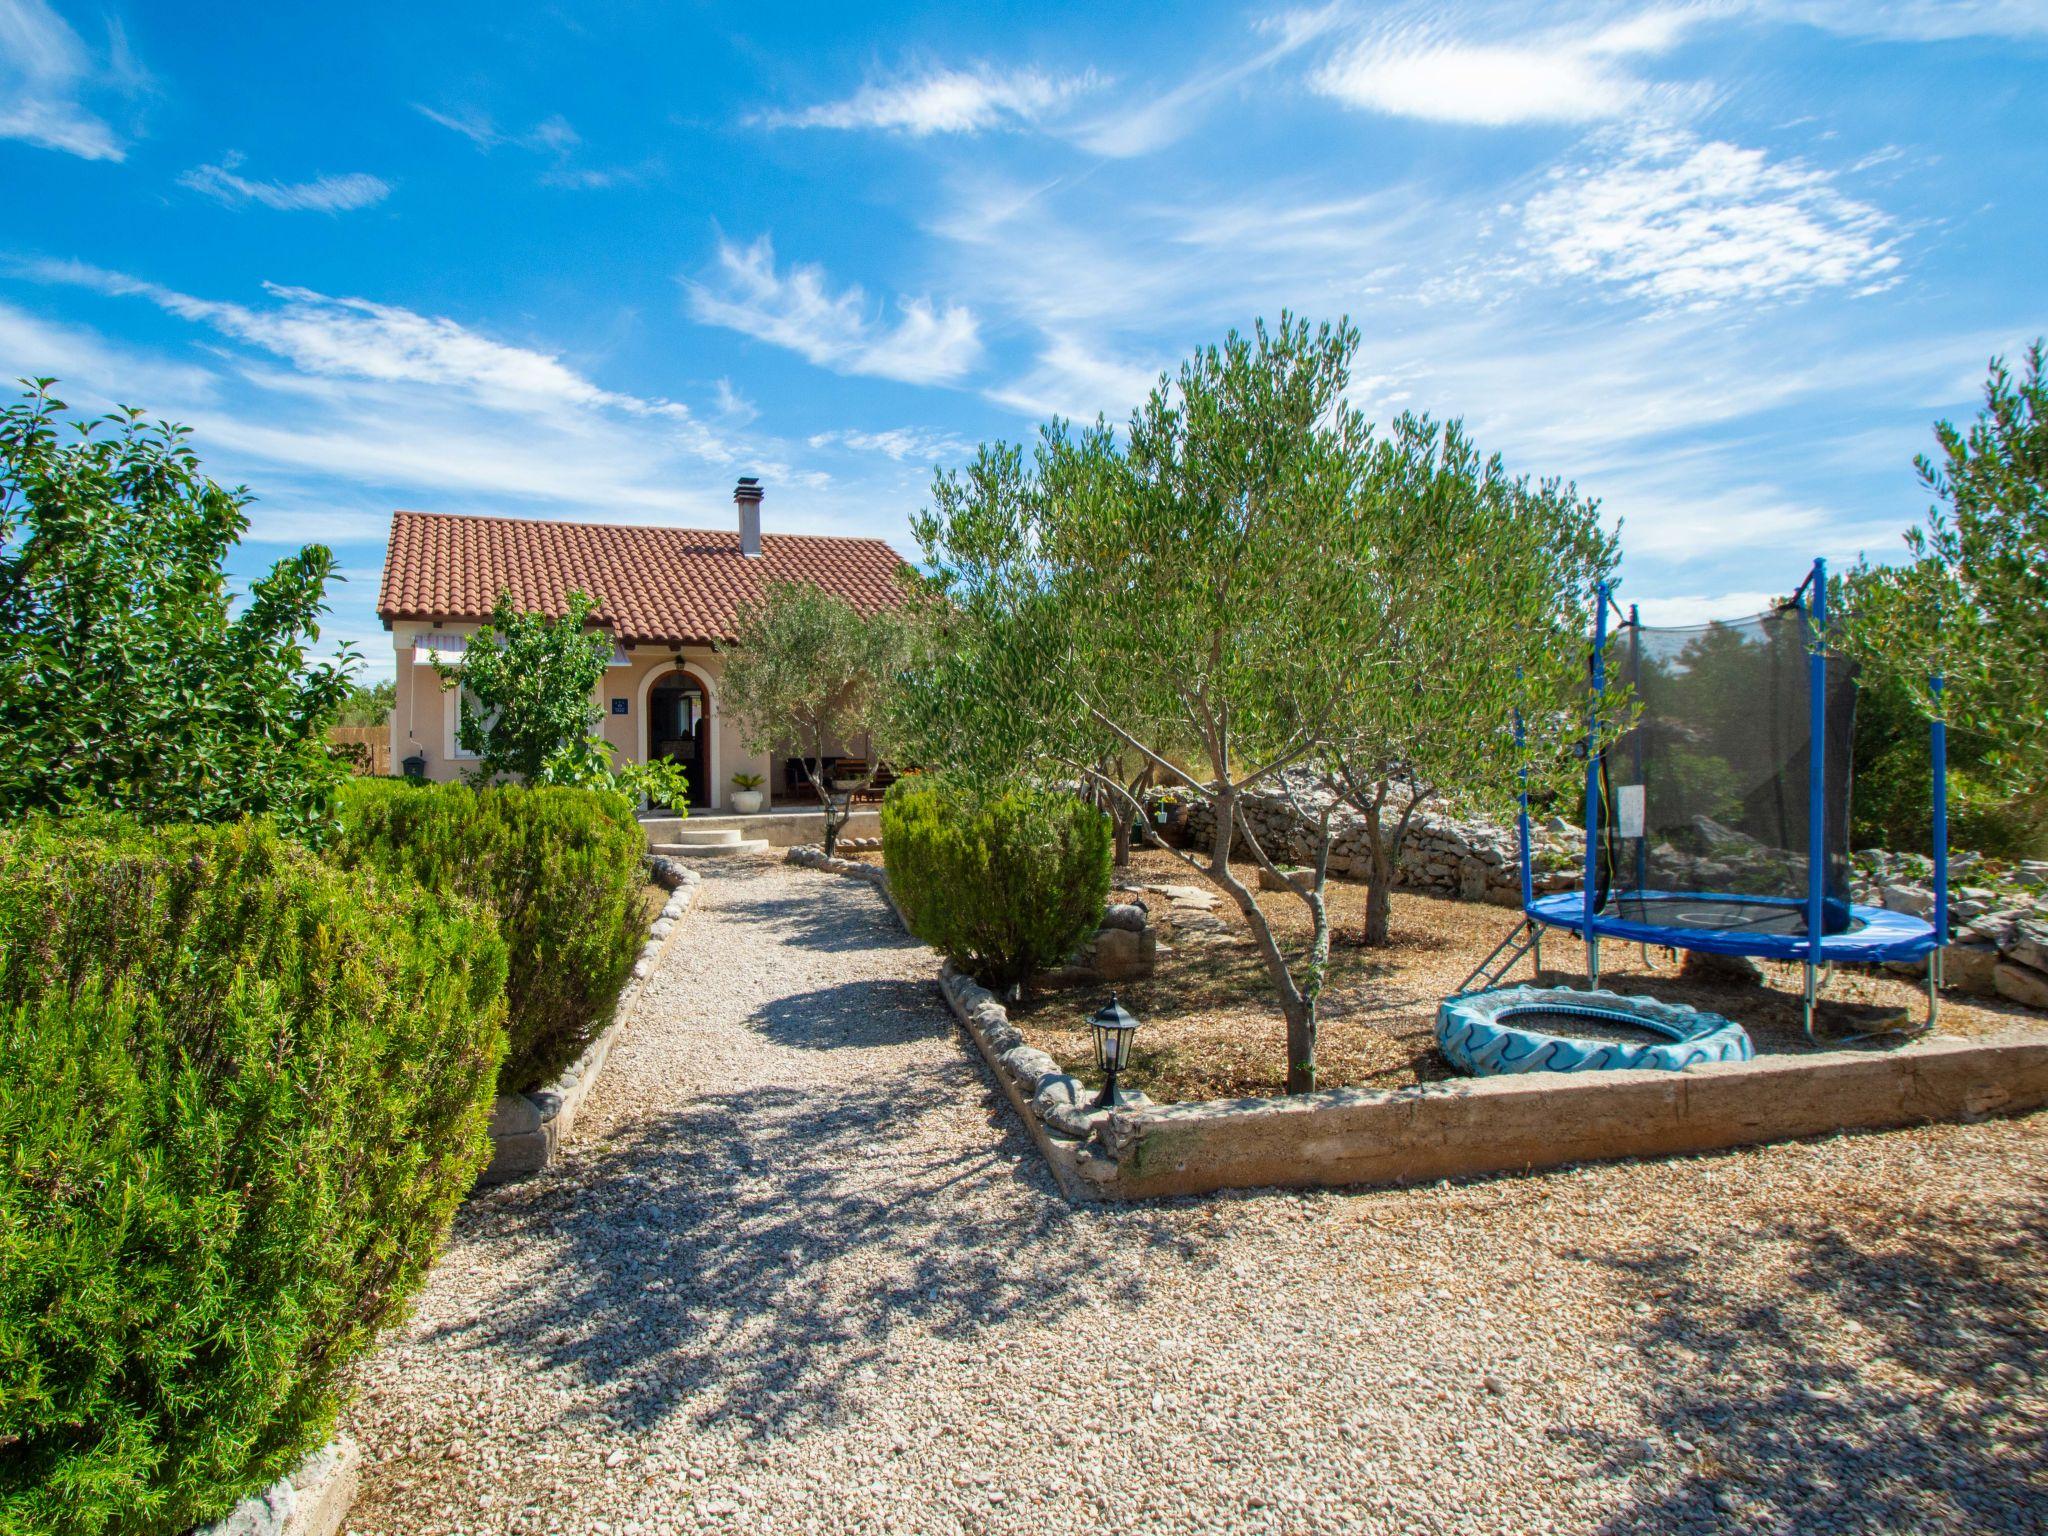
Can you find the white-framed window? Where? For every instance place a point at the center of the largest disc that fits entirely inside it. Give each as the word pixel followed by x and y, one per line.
pixel 463 704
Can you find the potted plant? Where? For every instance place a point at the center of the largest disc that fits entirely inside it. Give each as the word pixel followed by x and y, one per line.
pixel 746 793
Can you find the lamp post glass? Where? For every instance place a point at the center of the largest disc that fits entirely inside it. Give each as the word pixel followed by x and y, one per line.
pixel 1114 1030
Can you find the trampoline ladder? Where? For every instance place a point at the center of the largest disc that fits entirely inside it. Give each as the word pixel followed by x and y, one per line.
pixel 1524 938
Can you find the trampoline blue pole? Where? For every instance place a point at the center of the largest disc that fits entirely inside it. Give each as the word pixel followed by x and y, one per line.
pixel 1817 764
pixel 1938 746
pixel 1522 816
pixel 1593 778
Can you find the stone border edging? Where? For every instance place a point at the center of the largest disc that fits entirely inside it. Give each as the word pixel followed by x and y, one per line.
pixel 310 1500
pixel 527 1128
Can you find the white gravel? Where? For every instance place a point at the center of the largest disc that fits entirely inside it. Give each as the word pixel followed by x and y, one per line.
pixel 801 1272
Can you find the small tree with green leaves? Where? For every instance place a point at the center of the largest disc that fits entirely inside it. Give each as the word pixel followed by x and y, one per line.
pixel 807 673
pixel 131 676
pixel 526 687
pixel 1476 589
pixel 1971 605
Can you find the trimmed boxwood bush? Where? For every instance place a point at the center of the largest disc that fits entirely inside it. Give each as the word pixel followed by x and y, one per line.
pixel 241 1093
pixel 1004 883
pixel 561 868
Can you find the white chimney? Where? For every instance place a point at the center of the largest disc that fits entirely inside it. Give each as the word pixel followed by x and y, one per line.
pixel 747 495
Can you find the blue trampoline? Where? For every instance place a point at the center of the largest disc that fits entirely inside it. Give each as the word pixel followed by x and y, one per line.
pixel 1719 819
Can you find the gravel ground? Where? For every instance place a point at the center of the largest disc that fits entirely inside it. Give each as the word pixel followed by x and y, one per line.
pixel 802 1272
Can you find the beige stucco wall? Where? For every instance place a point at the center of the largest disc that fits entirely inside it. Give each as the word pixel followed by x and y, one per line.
pixel 422 716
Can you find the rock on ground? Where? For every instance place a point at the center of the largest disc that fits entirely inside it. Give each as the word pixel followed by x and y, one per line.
pixel 800 1271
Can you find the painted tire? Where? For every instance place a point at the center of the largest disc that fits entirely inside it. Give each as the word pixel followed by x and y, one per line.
pixel 1477 1033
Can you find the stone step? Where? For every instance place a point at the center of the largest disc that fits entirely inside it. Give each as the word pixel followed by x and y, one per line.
pixel 700 837
pixel 714 850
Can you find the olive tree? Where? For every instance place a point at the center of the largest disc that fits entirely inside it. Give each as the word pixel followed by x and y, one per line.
pixel 1970 605
pixel 1167 598
pixel 1477 588
pixel 807 672
pixel 132 676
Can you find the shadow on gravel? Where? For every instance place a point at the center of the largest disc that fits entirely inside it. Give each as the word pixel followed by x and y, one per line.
pixel 856 1014
pixel 825 923
pixel 1944 1433
pixel 751 1255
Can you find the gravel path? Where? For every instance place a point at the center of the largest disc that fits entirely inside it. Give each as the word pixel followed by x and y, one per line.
pixel 802 1272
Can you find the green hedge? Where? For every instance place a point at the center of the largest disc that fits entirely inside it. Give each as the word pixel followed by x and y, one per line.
pixel 560 867
pixel 241 1093
pixel 1003 884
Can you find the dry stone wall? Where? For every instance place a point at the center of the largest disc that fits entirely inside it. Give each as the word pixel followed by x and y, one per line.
pixel 1446 855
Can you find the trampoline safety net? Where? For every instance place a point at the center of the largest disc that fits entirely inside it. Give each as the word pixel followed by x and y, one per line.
pixel 1707 797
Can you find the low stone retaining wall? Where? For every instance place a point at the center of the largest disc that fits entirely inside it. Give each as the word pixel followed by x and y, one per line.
pixel 526 1128
pixel 312 1501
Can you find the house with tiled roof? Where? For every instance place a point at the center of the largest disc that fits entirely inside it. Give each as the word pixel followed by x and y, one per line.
pixel 666 596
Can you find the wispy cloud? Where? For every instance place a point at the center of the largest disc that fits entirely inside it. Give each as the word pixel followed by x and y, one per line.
pixel 926 343
pixel 941 100
pixel 1679 220
pixel 351 338
pixel 1570 75
pixel 903 444
pixel 1076 379
pixel 323 194
pixel 554 137
pixel 45 74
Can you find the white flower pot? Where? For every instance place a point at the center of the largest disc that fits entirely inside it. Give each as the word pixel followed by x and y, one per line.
pixel 747 801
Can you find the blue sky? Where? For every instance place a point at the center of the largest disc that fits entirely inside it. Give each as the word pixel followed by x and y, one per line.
pixel 1720 263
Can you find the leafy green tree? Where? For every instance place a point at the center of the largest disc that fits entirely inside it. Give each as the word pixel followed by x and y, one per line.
pixel 807 674
pixel 1971 604
pixel 1173 596
pixel 368 706
pixel 1471 594
pixel 526 687
pixel 131 676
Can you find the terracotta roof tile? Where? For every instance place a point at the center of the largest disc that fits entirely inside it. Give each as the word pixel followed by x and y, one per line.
pixel 655 586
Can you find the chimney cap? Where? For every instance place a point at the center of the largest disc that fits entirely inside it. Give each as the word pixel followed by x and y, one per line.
pixel 748 488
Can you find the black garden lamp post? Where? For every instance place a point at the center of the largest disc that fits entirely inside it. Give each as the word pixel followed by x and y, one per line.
pixel 1114 1030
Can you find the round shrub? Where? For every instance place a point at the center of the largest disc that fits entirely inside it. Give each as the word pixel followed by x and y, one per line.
pixel 1004 884
pixel 560 867
pixel 241 1093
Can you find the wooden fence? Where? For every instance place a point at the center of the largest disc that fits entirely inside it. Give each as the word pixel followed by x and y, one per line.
pixel 366 747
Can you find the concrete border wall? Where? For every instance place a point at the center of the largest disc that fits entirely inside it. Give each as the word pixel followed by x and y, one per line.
pixel 527 1128
pixel 1541 1120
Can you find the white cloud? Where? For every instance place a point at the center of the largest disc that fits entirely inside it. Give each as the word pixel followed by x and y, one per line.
pixel 926 344
pixel 1567 76
pixel 903 444
pixel 1679 220
pixel 1916 20
pixel 44 72
pixel 1074 379
pixel 323 194
pixel 1704 608
pixel 944 101
pixel 349 338
pixel 553 137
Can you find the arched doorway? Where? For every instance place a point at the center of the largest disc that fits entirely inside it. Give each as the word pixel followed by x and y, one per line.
pixel 679 728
